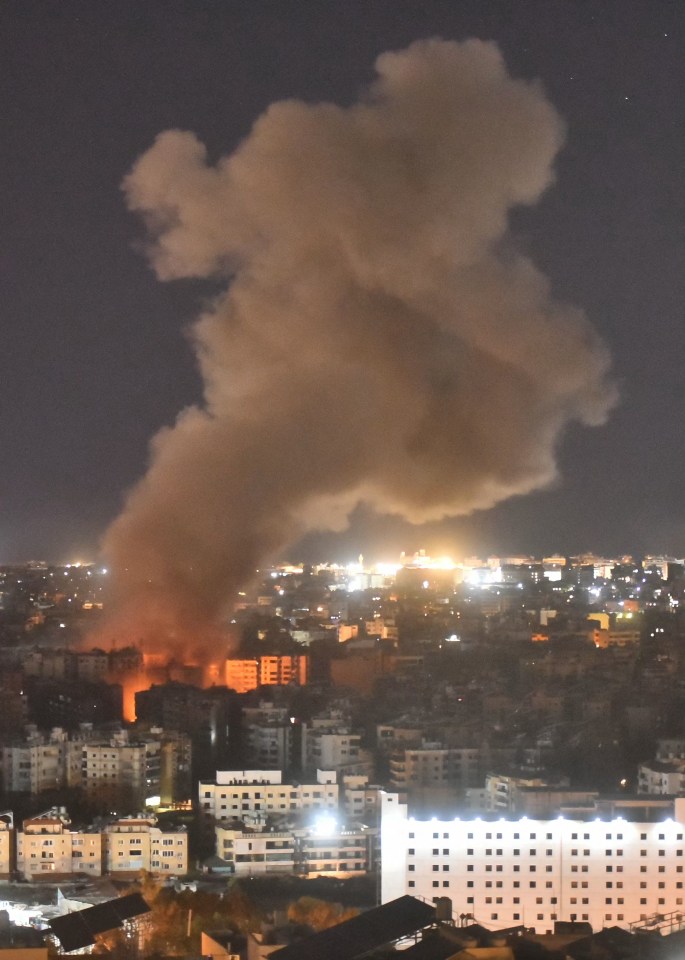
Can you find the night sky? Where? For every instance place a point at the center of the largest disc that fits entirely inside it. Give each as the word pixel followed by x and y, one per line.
pixel 94 359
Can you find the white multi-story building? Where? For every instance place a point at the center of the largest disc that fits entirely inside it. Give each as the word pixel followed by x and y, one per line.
pixel 250 853
pixel 329 748
pixel 42 761
pixel 326 848
pixel 505 872
pixel 237 793
pixel 662 777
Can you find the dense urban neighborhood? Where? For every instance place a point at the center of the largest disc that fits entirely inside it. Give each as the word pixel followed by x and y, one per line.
pixel 505 733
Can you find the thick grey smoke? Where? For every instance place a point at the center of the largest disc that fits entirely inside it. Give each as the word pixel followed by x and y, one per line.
pixel 379 338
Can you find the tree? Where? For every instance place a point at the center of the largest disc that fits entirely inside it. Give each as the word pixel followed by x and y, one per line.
pixel 319 914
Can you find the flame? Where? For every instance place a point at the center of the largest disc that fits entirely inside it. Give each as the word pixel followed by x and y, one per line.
pixel 131 685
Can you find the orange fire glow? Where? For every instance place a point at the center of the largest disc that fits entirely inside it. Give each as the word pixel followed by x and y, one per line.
pixel 131 685
pixel 158 668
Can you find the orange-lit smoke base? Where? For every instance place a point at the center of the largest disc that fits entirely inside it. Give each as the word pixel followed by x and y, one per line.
pixel 158 669
pixel 195 657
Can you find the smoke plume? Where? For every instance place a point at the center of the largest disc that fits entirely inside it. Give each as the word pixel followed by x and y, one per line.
pixel 379 339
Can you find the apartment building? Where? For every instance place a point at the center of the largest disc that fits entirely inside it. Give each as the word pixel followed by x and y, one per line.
pixel 237 793
pixel 6 845
pixel 41 761
pixel 662 777
pixel 122 772
pixel 534 796
pixel 91 666
pixel 47 845
pixel 323 849
pixel 137 843
pixel 505 872
pixel 116 769
pixel 268 734
pixel 268 670
pixel 330 748
pixel 360 799
pixel 132 770
pixel 435 765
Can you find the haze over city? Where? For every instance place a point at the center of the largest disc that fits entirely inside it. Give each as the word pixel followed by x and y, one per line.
pixel 97 360
pixel 342 541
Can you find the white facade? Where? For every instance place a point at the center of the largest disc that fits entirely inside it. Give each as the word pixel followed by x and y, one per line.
pixel 255 854
pixel 326 849
pixel 533 872
pixel 662 777
pixel 41 761
pixel 329 749
pixel 237 793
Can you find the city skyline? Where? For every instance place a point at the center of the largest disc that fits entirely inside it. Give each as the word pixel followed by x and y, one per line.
pixel 96 361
